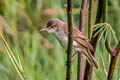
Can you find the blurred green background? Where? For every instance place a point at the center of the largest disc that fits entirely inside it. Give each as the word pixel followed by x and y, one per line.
pixel 41 55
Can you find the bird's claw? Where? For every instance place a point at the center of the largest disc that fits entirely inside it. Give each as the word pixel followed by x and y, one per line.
pixel 71 62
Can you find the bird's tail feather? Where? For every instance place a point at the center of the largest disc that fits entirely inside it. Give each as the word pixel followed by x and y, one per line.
pixel 92 61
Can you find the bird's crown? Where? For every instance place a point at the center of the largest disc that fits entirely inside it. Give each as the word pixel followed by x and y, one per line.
pixel 53 23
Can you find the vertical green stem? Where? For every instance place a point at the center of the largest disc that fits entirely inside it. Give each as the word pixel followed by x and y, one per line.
pixel 70 40
pixel 90 20
pixel 105 11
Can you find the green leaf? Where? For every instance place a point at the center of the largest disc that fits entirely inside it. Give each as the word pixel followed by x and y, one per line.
pixel 106 29
pixel 14 61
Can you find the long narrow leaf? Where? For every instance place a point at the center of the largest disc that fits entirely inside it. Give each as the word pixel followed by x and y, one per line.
pixel 114 35
pixel 13 59
pixel 97 26
pixel 101 29
pixel 106 33
pixel 101 33
pixel 106 29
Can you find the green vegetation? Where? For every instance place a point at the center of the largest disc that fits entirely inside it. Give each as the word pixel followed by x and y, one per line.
pixel 40 54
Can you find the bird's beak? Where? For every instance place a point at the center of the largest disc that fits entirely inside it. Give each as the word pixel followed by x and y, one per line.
pixel 43 29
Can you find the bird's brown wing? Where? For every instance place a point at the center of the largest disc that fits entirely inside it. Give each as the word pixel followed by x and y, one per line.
pixel 80 38
pixel 78 34
pixel 84 43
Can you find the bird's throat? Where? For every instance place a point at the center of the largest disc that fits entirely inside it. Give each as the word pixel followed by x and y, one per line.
pixel 63 39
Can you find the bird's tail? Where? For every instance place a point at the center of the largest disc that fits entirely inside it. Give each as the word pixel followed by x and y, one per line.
pixel 92 61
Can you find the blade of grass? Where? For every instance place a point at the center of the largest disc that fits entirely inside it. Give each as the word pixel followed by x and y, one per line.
pixel 20 65
pixel 13 59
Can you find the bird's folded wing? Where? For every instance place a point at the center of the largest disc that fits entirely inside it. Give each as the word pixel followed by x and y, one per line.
pixel 78 34
pixel 84 43
pixel 80 38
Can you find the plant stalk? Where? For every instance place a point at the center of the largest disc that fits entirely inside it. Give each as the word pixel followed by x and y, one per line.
pixel 113 52
pixel 70 40
pixel 94 42
pixel 107 42
pixel 90 19
pixel 81 27
pixel 113 63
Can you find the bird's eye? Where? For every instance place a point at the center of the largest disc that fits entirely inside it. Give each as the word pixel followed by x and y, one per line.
pixel 53 26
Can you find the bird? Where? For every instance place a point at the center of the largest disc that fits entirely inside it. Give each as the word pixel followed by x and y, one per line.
pixel 81 43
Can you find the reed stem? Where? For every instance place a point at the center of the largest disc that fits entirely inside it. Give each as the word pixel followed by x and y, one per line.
pixel 70 40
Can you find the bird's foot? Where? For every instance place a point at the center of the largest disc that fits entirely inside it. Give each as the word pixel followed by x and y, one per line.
pixel 66 62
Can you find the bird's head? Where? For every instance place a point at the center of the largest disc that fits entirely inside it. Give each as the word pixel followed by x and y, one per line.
pixel 53 26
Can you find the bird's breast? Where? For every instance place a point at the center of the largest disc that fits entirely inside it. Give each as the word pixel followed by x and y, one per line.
pixel 63 40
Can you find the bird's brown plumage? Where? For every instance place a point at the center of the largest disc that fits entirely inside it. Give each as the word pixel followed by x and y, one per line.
pixel 85 45
pixel 80 41
pixel 80 38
